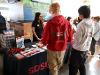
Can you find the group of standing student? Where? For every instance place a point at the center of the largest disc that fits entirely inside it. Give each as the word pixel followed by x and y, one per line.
pixel 86 37
pixel 58 32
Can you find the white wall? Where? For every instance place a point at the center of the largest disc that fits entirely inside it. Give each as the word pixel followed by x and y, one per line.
pixel 70 7
pixel 12 11
pixel 95 7
pixel 53 1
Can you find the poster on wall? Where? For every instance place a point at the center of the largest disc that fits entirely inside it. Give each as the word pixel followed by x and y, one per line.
pixel 28 13
pixel 31 9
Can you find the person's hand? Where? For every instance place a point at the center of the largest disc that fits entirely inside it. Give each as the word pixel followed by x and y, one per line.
pixel 38 39
pixel 40 45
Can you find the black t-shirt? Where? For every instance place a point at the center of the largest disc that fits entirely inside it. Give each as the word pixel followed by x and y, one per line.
pixel 38 28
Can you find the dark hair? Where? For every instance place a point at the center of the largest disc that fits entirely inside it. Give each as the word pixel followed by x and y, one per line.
pixel 85 11
pixel 79 20
pixel 97 18
pixel 68 18
pixel 37 14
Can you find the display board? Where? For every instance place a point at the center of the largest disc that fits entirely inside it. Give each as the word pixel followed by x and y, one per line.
pixel 31 9
pixel 12 12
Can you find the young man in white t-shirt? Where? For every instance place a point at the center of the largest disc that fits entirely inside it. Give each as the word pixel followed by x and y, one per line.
pixel 81 43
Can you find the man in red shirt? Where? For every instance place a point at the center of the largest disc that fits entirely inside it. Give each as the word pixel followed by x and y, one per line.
pixel 57 33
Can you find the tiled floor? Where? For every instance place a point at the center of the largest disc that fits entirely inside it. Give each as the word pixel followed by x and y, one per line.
pixel 92 66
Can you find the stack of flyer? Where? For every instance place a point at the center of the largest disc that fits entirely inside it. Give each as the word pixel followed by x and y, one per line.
pixel 28 53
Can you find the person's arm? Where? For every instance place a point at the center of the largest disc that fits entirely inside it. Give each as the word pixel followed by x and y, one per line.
pixel 33 30
pixel 45 36
pixel 34 33
pixel 70 33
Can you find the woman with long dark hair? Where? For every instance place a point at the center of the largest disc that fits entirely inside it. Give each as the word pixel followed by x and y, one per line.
pixel 37 26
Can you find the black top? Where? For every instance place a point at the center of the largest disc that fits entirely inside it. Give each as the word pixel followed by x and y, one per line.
pixel 2 24
pixel 38 28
